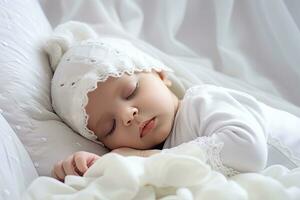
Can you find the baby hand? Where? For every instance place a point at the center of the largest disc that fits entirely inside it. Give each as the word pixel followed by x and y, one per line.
pixel 76 164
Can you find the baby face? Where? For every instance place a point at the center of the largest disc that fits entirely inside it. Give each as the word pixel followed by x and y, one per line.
pixel 134 111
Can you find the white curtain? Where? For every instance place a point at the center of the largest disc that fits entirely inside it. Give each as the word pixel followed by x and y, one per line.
pixel 249 45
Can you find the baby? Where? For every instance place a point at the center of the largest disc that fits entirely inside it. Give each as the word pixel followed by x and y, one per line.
pixel 112 93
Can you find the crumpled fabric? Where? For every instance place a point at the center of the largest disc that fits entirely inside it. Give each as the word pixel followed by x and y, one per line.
pixel 182 174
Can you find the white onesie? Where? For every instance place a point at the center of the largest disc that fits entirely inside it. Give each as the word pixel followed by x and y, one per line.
pixel 238 133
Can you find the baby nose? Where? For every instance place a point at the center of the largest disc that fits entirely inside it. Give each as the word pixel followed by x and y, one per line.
pixel 130 116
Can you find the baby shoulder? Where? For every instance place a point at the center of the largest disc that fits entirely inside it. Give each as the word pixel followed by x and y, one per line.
pixel 207 91
pixel 218 93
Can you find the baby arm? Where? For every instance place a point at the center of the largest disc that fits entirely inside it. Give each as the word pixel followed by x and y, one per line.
pixel 79 162
pixel 229 126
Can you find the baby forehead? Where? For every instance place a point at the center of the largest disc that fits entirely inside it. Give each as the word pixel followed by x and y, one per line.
pixel 111 82
pixel 112 86
pixel 118 85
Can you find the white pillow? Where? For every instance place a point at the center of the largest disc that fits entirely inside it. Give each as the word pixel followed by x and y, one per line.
pixel 17 170
pixel 25 78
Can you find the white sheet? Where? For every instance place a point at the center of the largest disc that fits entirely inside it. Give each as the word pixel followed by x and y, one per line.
pixel 251 46
pixel 164 177
pixel 25 77
pixel 17 170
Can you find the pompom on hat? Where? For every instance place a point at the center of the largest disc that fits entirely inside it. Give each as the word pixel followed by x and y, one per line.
pixel 80 59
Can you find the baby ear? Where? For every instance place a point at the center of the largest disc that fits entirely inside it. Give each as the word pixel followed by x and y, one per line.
pixel 64 36
pixel 164 77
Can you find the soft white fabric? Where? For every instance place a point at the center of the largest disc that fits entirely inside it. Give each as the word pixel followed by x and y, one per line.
pixel 64 36
pixel 181 174
pixel 239 123
pixel 25 77
pixel 251 46
pixel 86 62
pixel 17 170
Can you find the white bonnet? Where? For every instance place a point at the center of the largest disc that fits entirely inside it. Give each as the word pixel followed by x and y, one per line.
pixel 80 59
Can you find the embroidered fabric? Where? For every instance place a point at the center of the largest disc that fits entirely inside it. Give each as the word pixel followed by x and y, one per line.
pixel 276 143
pixel 211 149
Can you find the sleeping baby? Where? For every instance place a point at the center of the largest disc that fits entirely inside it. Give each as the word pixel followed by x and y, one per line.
pixel 114 94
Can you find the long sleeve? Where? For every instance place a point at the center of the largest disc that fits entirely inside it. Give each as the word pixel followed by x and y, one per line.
pixel 228 125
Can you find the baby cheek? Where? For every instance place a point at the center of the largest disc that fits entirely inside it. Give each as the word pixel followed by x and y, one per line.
pixel 121 137
pixel 162 99
pixel 111 143
pixel 154 96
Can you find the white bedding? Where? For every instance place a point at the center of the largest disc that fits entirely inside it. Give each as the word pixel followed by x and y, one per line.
pixel 17 170
pixel 251 46
pixel 164 176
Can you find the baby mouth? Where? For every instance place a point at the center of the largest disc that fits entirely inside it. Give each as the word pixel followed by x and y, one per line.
pixel 146 127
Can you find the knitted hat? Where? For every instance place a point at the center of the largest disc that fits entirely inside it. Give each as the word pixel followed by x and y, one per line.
pixel 80 59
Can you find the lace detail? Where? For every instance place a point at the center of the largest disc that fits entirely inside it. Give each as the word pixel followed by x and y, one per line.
pixel 212 150
pixel 121 63
pixel 210 153
pixel 86 64
pixel 87 132
pixel 276 143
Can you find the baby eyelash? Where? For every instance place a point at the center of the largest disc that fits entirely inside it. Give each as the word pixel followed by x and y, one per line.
pixel 112 129
pixel 134 92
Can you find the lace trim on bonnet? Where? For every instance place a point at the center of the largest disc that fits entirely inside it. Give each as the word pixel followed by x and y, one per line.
pixel 118 57
pixel 103 79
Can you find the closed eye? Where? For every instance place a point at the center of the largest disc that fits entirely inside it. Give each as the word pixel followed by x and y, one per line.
pixel 112 129
pixel 133 93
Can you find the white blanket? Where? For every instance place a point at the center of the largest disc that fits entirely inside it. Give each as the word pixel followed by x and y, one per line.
pixel 180 174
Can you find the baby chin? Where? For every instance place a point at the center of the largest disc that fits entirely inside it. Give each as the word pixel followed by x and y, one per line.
pixel 156 137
